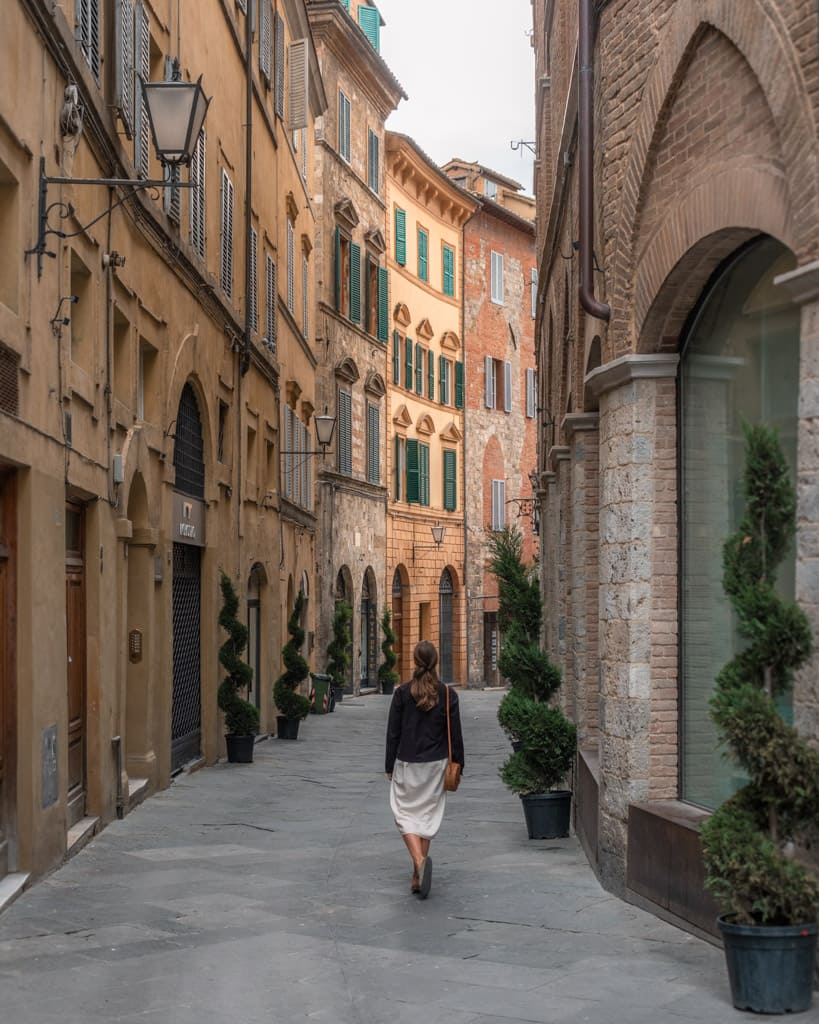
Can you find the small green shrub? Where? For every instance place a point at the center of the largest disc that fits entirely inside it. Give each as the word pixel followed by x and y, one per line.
pixel 387 676
pixel 549 742
pixel 338 650
pixel 292 704
pixel 241 717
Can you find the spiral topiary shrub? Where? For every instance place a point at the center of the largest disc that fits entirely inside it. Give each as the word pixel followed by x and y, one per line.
pixel 291 704
pixel 241 717
pixel 756 845
pixel 387 676
pixel 338 650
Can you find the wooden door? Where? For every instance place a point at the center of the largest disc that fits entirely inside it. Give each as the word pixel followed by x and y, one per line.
pixel 76 666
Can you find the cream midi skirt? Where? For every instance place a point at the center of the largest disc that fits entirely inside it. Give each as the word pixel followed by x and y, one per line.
pixel 417 797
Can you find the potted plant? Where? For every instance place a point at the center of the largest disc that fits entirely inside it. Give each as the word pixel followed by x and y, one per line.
pixel 338 651
pixel 293 707
pixel 387 676
pixel 241 717
pixel 544 740
pixel 756 845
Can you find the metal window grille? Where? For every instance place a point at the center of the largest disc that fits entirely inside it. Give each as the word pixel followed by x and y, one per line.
pixel 188 453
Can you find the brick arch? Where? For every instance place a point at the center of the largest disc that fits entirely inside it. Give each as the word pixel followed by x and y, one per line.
pixel 755 28
pixel 704 228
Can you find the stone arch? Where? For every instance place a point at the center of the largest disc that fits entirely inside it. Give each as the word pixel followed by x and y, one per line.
pixel 756 29
pixel 343 586
pixel 185 370
pixel 136 459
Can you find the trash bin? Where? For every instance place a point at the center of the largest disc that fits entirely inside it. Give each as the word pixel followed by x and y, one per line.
pixel 320 694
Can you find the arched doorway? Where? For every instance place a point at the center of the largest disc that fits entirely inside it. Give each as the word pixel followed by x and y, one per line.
pixel 368 657
pixel 401 619
pixel 446 591
pixel 188 533
pixel 739 363
pixel 255 584
pixel 344 592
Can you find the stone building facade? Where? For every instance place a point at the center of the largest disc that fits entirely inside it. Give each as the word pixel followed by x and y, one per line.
pixel 500 288
pixel 707 255
pixel 352 320
pixel 426 213
pixel 150 371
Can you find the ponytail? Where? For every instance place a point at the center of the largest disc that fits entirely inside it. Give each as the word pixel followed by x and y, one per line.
pixel 425 681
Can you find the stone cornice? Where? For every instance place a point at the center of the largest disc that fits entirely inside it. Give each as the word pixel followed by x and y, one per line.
pixel 575 422
pixel 802 284
pixel 628 368
pixel 558 454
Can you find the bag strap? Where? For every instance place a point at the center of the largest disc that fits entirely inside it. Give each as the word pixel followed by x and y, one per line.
pixel 448 730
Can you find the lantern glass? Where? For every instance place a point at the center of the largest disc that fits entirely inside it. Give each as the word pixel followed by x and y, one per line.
pixel 176 111
pixel 325 425
pixel 438 533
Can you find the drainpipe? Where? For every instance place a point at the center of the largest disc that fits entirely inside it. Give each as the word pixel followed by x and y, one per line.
pixel 245 360
pixel 595 308
pixel 464 493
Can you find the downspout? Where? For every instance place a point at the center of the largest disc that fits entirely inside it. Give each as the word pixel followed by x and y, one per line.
pixel 590 304
pixel 463 460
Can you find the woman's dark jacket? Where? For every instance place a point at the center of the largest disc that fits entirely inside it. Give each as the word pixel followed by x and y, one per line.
pixel 419 736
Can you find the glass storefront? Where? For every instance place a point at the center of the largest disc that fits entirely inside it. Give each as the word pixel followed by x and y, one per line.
pixel 740 363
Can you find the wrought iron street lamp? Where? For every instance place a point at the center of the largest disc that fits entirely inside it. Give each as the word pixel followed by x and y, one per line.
pixel 438 534
pixel 325 426
pixel 176 111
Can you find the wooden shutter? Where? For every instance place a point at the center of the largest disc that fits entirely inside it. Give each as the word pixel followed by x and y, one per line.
pixel 396 358
pixel 343 126
pixel 423 473
pixel 442 382
pixel 496 277
pixel 431 376
pixel 288 452
pixel 413 471
pixel 242 5
pixel 142 59
pixel 370 21
pixel 291 270
pixel 373 161
pixel 450 480
pixel 408 364
pixel 298 66
pixel 355 283
pixel 400 236
pixel 197 196
pixel 419 369
pixel 270 302
pixel 373 444
pixel 265 39
pixel 530 392
pixel 449 271
pixel 346 4
pixel 345 432
pixel 88 32
pixel 423 261
pixel 533 290
pixel 459 385
pixel 305 297
pixel 368 327
pixel 226 264
pixel 254 280
pixel 498 505
pixel 507 386
pixel 398 468
pixel 489 382
pixel 278 95
pixel 337 282
pixel 124 63
pixel 383 304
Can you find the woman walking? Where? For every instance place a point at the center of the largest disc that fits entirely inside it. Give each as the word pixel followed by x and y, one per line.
pixel 416 758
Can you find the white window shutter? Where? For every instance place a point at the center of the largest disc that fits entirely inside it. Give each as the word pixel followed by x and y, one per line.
pixel 305 297
pixel 266 39
pixel 530 392
pixel 226 268
pixel 501 504
pixel 197 196
pixel 254 281
pixel 88 32
pixel 507 386
pixel 124 64
pixel 291 270
pixel 142 60
pixel 278 69
pixel 288 452
pixel 298 83
pixel 496 277
pixel 533 287
pixel 270 302
pixel 489 383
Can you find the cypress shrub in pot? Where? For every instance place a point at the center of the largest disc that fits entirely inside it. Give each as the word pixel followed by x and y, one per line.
pixel 338 651
pixel 241 717
pixel 293 707
pixel 387 676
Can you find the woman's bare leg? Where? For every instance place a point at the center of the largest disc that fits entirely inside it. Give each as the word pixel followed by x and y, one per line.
pixel 425 846
pixel 415 847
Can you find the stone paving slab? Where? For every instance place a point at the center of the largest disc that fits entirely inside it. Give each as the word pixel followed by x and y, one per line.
pixel 279 892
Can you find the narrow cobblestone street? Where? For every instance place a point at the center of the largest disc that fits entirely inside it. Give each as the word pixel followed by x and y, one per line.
pixel 279 892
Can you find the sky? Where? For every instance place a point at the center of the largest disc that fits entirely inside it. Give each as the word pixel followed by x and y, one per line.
pixel 468 70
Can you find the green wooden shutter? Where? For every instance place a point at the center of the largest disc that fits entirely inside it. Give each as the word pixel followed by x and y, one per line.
pixel 450 480
pixel 373 162
pixel 423 474
pixel 419 369
pixel 442 380
pixel 345 432
pixel 413 488
pixel 431 376
pixel 368 327
pixel 373 444
pixel 459 385
pixel 355 283
pixel 383 304
pixel 423 262
pixel 398 495
pixel 370 21
pixel 337 291
pixel 346 4
pixel 449 271
pixel 396 358
pixel 408 364
pixel 400 236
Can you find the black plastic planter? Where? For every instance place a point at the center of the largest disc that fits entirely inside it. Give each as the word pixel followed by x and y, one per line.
pixel 547 814
pixel 287 728
pixel 387 688
pixel 770 967
pixel 240 749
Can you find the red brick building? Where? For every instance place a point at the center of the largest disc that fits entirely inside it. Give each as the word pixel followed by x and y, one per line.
pixel 500 282
pixel 703 271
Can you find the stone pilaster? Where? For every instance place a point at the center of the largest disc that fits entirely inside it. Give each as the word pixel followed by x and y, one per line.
pixel 803 286
pixel 637 574
pixel 561 652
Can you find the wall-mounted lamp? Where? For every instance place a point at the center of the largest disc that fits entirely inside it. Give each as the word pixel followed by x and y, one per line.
pixel 534 480
pixel 176 112
pixel 438 534
pixel 325 426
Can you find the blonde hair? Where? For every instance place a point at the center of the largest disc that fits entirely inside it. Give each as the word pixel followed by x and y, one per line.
pixel 425 681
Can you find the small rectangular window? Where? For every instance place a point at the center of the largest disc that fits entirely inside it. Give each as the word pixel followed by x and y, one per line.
pixel 373 161
pixel 450 480
pixel 423 255
pixel 498 505
pixel 400 468
pixel 490 189
pixel 370 21
pixel 373 444
pixel 533 291
pixel 531 395
pixel 221 439
pixel 448 259
pixel 400 236
pixel 343 126
pixel 496 278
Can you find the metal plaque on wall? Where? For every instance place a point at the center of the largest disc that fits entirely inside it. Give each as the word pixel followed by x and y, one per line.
pixel 48 766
